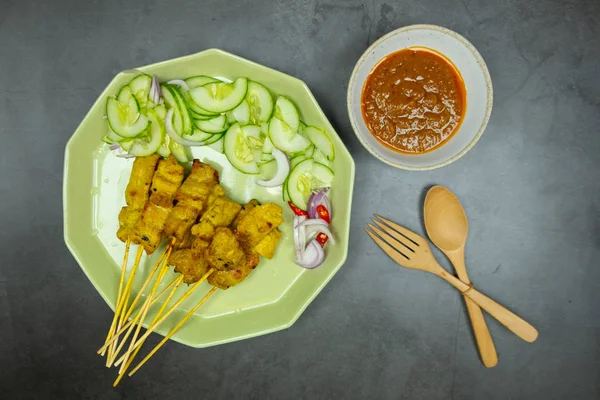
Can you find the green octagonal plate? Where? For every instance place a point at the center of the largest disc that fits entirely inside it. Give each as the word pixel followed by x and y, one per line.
pixel 278 291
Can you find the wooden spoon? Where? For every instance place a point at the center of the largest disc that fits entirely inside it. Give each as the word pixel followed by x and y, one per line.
pixel 447 227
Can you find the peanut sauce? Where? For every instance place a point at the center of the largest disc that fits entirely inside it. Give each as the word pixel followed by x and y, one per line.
pixel 414 100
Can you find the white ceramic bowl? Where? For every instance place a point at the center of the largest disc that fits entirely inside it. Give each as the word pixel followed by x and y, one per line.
pixel 474 73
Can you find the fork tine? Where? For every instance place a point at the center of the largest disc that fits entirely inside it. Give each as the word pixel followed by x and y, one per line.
pixel 391 251
pixel 398 237
pixel 407 233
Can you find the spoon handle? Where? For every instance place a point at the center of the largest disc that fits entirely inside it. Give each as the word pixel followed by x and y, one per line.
pixel 510 320
pixel 483 338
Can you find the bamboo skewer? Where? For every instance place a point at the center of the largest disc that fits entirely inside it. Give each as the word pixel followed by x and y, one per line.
pixel 146 306
pixel 113 325
pixel 162 260
pixel 165 316
pixel 137 316
pixel 179 325
pixel 177 282
pixel 125 297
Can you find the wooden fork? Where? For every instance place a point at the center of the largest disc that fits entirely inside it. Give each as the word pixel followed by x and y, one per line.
pixel 410 250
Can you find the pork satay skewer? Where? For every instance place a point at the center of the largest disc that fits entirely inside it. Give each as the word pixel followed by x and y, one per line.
pixel 172 285
pixel 250 238
pixel 230 256
pixel 191 198
pixel 136 195
pixel 147 230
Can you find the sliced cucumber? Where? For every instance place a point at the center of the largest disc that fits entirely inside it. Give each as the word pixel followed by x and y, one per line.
pixel 253 137
pixel 165 149
pixel 297 160
pixel 310 152
pixel 218 145
pixel 268 146
pixel 198 136
pixel 322 141
pixel 200 117
pixel 140 86
pixel 240 114
pixel 183 154
pixel 200 80
pixel 284 191
pixel 260 102
pixel 286 111
pixel 267 170
pixel 215 138
pixel 111 135
pixel 214 125
pixel 284 138
pixel 321 158
pixel 185 115
pixel 304 178
pixel 220 96
pixel 108 140
pixel 238 151
pixel 127 98
pixel 144 146
pixel 126 144
pixel 171 102
pixel 161 111
pixel 123 120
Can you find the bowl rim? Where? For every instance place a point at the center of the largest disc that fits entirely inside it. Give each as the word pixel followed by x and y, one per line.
pixel 480 61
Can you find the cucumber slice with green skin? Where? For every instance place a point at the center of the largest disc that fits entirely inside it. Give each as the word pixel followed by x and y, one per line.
pixel 267 170
pixel 161 111
pixel 260 103
pixel 140 86
pixel 126 144
pixel 164 150
pixel 200 80
pixel 215 138
pixel 107 140
pixel 193 107
pixel 200 117
pixel 284 191
pixel 121 118
pixel 214 125
pixel 240 114
pixel 304 178
pixel 284 138
pixel 238 152
pixel 185 115
pixel 297 160
pixel 321 158
pixel 111 135
pixel 322 141
pixel 220 96
pixel 198 136
pixel 171 102
pixel 218 145
pixel 253 137
pixel 126 97
pixel 266 157
pixel 142 147
pixel 268 146
pixel 286 111
pixel 183 154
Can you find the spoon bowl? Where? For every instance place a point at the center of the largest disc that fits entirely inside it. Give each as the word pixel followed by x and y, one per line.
pixel 445 219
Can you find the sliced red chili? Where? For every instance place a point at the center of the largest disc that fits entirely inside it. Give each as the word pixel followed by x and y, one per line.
pixel 297 211
pixel 322 239
pixel 323 213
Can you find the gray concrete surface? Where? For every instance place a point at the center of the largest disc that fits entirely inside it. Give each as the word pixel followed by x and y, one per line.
pixel 530 187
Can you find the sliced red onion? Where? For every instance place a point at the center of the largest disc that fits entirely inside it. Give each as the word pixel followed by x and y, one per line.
pixel 283 169
pixel 173 135
pixel 314 200
pixel 154 93
pixel 179 83
pixel 125 155
pixel 322 225
pixel 313 256
pixel 114 146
